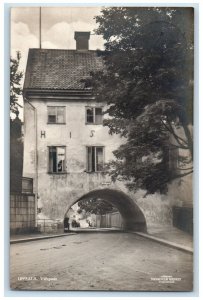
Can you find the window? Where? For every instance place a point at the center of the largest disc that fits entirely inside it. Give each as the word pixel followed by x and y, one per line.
pixel 94 115
pixel 56 114
pixel 95 159
pixel 57 159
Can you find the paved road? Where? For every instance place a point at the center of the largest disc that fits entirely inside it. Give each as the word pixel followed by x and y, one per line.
pixel 99 261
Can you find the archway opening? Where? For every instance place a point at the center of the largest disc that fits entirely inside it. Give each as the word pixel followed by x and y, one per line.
pixel 94 213
pixel 132 216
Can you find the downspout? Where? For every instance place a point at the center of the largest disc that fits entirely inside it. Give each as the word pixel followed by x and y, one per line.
pixel 36 157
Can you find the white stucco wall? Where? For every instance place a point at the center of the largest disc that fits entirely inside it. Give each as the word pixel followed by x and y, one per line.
pixel 75 135
pixel 56 192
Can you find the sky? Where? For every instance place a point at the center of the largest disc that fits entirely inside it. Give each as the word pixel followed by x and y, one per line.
pixel 57 29
pixel 58 25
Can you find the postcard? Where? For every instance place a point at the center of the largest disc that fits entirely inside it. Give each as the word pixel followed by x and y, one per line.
pixel 101 148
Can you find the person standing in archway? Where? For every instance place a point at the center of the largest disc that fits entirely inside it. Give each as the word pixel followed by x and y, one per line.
pixel 66 224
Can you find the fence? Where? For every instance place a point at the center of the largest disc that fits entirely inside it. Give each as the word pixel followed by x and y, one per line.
pixel 22 213
pixel 49 226
pixel 109 220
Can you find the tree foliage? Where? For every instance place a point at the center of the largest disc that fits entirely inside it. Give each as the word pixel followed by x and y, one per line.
pixel 16 144
pixel 96 206
pixel 15 82
pixel 147 84
pixel 16 155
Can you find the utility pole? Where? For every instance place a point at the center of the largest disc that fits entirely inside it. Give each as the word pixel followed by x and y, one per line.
pixel 40 23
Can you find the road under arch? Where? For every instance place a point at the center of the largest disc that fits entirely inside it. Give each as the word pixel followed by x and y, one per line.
pixel 133 217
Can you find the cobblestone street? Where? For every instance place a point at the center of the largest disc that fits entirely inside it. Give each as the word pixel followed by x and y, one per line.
pixel 99 261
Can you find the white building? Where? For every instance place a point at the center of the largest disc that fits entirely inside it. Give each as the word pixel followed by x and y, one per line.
pixel 65 142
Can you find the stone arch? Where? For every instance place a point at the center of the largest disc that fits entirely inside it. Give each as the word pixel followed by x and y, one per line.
pixel 133 217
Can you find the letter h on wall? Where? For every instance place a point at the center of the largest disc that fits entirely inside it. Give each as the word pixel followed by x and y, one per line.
pixel 43 134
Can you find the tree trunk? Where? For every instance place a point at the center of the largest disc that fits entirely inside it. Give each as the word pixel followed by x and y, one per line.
pixel 189 138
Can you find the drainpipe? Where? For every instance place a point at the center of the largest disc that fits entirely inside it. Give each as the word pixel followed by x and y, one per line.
pixel 36 157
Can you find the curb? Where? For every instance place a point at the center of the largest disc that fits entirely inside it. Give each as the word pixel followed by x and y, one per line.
pixel 165 242
pixel 39 238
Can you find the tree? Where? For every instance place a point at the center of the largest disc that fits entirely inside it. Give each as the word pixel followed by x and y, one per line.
pixel 147 84
pixel 15 82
pixel 16 155
pixel 95 206
pixel 16 143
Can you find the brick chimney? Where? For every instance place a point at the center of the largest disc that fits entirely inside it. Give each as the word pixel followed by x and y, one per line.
pixel 82 40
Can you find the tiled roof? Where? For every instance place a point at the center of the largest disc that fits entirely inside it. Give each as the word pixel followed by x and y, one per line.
pixel 60 69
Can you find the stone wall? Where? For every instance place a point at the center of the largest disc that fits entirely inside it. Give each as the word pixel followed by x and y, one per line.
pixel 183 218
pixel 22 213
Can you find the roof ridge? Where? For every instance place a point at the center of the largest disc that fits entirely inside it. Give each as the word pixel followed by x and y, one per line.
pixel 52 49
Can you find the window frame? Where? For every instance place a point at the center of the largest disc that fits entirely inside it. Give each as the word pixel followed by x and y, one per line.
pixel 95 159
pixel 64 166
pixel 94 115
pixel 56 114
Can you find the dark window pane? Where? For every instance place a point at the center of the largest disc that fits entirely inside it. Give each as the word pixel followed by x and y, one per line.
pixel 93 159
pixel 90 115
pixel 52 119
pixel 52 159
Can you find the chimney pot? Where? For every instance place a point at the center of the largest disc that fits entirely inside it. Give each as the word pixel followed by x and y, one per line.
pixel 82 40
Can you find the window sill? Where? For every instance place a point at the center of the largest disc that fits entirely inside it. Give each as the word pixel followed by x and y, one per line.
pixel 93 124
pixel 57 173
pixel 94 172
pixel 56 123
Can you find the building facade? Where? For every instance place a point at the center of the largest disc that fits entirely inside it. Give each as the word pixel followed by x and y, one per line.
pixel 66 144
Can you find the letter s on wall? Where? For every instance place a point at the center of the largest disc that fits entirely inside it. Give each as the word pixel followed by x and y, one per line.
pixel 92 133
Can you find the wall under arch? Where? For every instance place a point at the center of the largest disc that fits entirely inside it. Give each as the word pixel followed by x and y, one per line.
pixel 59 192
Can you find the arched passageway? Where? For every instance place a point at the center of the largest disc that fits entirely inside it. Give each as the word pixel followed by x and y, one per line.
pixel 133 218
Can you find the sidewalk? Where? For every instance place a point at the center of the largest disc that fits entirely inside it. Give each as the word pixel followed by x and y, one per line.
pixel 169 236
pixel 21 238
pixel 173 234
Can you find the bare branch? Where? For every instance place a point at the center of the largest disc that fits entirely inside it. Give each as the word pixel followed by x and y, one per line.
pixel 177 138
pixel 182 175
pixel 179 146
pixel 185 169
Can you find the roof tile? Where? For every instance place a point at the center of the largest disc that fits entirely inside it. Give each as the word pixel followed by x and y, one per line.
pixel 60 69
